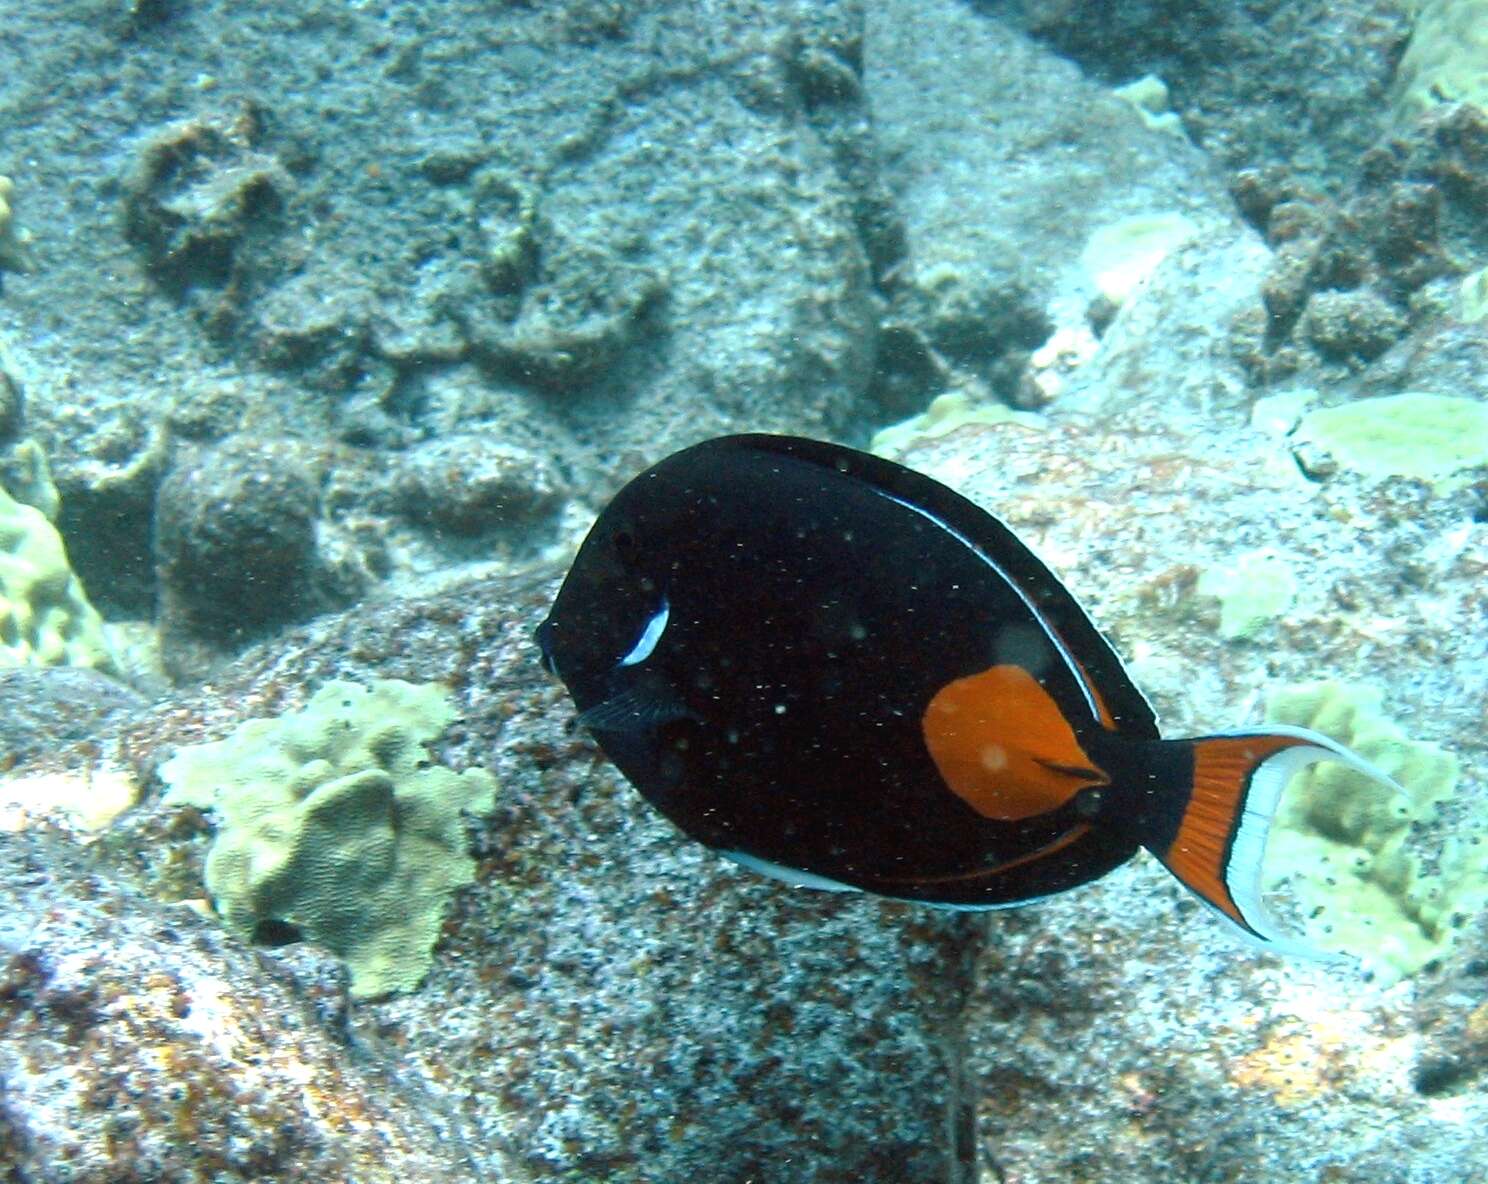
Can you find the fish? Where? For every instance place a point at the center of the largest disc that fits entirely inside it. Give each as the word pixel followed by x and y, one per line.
pixel 841 673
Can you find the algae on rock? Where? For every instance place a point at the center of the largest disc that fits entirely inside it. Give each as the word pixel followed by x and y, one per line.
pixel 947 413
pixel 1427 437
pixel 1252 589
pixel 1122 256
pixel 335 826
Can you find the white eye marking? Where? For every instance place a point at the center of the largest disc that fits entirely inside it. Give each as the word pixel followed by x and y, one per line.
pixel 650 635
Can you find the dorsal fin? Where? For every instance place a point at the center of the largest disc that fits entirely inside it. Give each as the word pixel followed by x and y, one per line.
pixel 1119 704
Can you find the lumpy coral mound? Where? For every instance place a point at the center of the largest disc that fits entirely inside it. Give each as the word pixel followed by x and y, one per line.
pixel 335 826
pixel 1446 60
pixel 1342 847
pixel 45 616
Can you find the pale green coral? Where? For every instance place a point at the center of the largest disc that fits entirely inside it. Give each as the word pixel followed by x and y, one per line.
pixel 1341 847
pixel 334 822
pixel 45 616
pixel 26 475
pixel 1425 436
pixel 15 243
pixel 1149 95
pixel 1446 60
pixel 1473 295
pixel 946 414
pixel 1251 588
pixel 1120 257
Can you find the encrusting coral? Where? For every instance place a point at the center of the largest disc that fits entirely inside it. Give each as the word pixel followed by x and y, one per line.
pixel 45 616
pixel 15 243
pixel 335 826
pixel 1341 850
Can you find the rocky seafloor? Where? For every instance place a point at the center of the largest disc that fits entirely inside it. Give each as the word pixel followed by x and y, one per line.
pixel 337 323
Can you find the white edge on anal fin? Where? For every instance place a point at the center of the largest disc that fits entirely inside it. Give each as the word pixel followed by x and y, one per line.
pixel 786 875
pixel 799 879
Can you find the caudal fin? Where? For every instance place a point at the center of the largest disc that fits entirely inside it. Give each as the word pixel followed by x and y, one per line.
pixel 1219 843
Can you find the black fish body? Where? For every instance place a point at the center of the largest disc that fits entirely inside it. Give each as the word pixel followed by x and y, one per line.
pixel 837 670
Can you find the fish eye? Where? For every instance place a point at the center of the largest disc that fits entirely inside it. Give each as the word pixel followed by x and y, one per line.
pixel 626 549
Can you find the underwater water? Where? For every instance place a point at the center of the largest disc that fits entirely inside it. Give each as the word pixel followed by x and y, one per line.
pixel 358 825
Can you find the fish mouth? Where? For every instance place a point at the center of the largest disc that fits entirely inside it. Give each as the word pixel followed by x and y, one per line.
pixel 543 637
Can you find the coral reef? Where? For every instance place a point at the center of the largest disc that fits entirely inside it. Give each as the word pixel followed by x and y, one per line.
pixel 1424 436
pixel 15 243
pixel 1446 60
pixel 45 616
pixel 199 193
pixel 1341 850
pixel 677 237
pixel 462 283
pixel 335 827
pixel 1355 274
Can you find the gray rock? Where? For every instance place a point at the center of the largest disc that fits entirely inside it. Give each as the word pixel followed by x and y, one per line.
pixel 124 1027
pixel 1304 84
pixel 235 542
pixel 47 709
pixel 609 1000
pixel 607 231
pixel 1004 161
pixel 475 484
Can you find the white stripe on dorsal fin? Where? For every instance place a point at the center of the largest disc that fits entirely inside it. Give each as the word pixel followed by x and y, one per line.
pixel 1033 610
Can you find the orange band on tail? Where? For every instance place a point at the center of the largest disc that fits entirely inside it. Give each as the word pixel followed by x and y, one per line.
pixel 1200 853
pixel 1218 841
